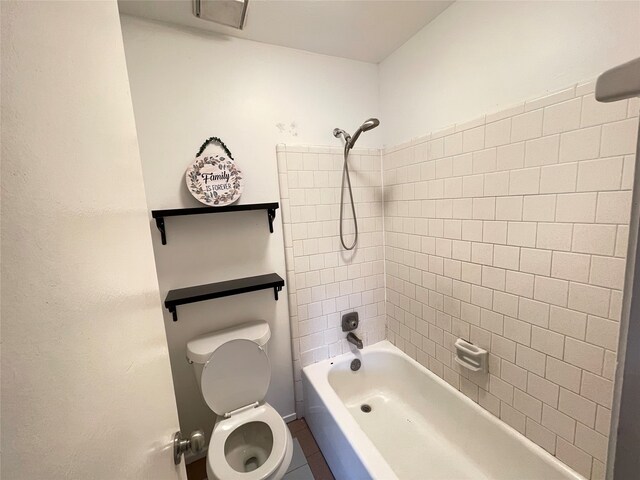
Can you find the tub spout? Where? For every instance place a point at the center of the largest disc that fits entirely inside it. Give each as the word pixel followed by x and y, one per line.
pixel 352 338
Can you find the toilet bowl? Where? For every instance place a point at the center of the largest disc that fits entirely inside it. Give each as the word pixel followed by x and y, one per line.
pixel 250 440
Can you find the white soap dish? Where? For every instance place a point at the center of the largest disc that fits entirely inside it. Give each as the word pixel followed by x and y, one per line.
pixel 471 356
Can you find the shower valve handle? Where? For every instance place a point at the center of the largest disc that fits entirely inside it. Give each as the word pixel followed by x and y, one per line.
pixel 350 321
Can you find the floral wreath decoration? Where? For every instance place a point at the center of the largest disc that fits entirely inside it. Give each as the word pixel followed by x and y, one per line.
pixel 209 174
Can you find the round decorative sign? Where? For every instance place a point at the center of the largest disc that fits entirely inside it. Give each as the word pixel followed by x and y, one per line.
pixel 214 179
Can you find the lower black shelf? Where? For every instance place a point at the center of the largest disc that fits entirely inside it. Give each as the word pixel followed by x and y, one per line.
pixel 200 293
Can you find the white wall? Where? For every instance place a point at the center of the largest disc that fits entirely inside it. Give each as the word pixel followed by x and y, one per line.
pixel 521 228
pixel 188 85
pixel 86 383
pixel 478 57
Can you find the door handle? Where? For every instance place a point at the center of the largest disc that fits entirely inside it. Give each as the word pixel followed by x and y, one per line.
pixel 194 444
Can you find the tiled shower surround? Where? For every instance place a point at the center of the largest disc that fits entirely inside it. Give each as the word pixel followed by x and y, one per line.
pixel 509 231
pixel 323 280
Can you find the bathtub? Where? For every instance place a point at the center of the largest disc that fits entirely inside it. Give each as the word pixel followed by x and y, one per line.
pixel 418 427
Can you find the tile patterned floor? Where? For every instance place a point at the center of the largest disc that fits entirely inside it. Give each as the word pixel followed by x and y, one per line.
pixel 307 462
pixel 314 461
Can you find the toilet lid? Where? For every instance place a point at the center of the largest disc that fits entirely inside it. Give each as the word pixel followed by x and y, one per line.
pixel 237 374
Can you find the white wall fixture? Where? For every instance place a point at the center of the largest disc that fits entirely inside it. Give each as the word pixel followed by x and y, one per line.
pixel 86 382
pixel 471 357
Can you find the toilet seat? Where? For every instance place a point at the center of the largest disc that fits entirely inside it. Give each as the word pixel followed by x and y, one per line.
pixel 217 464
pixel 236 375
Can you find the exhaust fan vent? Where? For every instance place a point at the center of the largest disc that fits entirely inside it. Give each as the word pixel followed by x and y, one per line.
pixel 226 12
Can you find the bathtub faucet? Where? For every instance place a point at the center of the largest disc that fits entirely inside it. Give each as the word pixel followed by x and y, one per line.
pixel 352 338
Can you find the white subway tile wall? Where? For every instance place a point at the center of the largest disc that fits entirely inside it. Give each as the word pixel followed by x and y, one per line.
pixel 323 280
pixel 510 231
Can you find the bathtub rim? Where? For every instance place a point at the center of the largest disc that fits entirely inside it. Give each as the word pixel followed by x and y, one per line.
pixel 317 374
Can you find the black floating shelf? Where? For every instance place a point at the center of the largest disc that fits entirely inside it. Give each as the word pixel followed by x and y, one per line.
pixel 160 215
pixel 199 293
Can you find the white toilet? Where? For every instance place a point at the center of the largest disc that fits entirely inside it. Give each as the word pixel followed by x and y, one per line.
pixel 250 440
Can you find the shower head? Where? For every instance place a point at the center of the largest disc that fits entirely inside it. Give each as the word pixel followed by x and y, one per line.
pixel 369 124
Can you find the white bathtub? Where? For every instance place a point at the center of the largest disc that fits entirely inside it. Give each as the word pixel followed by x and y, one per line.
pixel 419 426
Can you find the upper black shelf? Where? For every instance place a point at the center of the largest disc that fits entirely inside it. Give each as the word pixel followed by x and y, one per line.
pixel 160 215
pixel 199 293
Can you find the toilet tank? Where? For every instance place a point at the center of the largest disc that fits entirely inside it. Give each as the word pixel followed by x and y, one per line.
pixel 200 348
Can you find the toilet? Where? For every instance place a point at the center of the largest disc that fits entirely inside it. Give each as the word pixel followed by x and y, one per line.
pixel 250 440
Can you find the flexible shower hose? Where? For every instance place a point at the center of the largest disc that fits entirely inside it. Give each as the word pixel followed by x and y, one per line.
pixel 345 174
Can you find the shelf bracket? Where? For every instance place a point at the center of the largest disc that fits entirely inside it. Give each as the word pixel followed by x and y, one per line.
pixel 271 214
pixel 174 312
pixel 275 292
pixel 163 233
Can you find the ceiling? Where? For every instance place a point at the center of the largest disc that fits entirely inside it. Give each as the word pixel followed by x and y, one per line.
pixel 365 30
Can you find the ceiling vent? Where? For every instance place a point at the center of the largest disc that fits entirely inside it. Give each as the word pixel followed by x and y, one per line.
pixel 226 12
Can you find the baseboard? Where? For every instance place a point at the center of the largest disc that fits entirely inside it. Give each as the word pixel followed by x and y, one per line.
pixel 290 418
